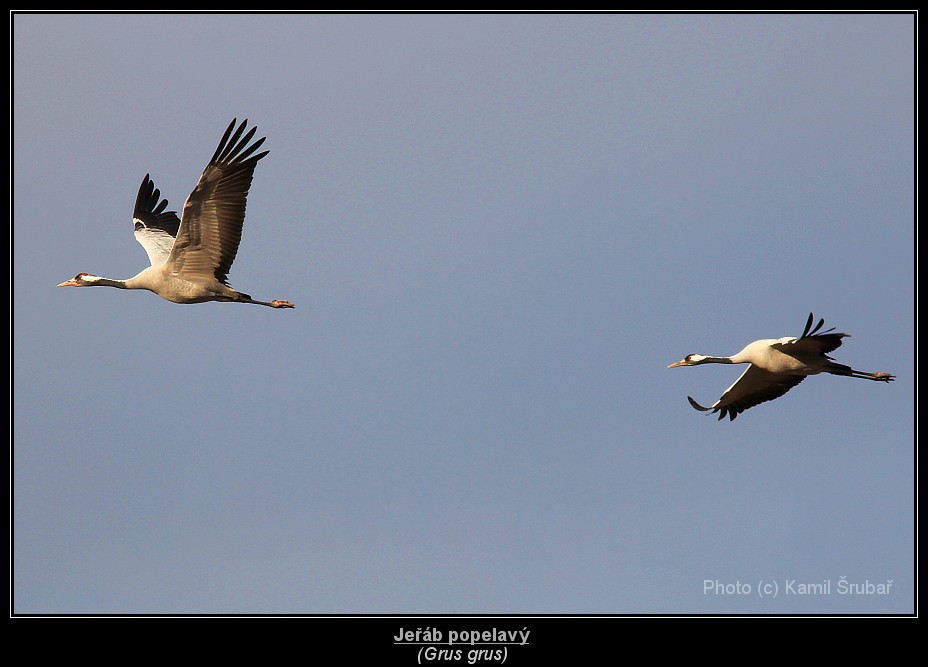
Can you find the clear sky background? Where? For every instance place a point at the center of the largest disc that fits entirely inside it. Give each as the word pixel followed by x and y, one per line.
pixel 498 230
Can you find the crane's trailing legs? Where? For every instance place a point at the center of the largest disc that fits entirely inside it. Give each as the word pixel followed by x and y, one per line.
pixel 847 371
pixel 276 303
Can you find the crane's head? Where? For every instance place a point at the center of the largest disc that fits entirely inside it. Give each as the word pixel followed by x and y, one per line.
pixel 80 280
pixel 690 360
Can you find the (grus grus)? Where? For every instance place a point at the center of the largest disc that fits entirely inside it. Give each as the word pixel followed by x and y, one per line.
pixel 191 256
pixel 776 366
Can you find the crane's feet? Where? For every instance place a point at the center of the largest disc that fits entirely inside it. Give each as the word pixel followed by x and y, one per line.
pixel 277 303
pixel 883 377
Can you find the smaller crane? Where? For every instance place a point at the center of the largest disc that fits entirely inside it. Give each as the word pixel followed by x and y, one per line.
pixel 776 366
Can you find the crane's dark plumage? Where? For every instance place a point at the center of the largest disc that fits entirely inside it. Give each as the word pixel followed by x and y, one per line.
pixel 155 228
pixel 150 214
pixel 776 366
pixel 191 256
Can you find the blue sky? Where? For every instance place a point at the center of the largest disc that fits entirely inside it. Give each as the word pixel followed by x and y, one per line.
pixel 498 230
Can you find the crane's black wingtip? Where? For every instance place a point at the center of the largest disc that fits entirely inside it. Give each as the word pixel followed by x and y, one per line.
pixel 696 405
pixel 805 332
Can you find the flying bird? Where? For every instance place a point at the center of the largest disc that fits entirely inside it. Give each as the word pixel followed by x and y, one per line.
pixel 191 256
pixel 776 366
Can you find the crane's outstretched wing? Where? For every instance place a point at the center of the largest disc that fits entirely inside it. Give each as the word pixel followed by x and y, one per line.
pixel 811 342
pixel 155 228
pixel 211 225
pixel 755 386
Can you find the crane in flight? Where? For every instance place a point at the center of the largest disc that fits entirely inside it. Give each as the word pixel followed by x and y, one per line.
pixel 191 256
pixel 776 365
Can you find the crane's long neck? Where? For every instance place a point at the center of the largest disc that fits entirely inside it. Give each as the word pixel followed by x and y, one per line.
pixel 110 282
pixel 716 360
